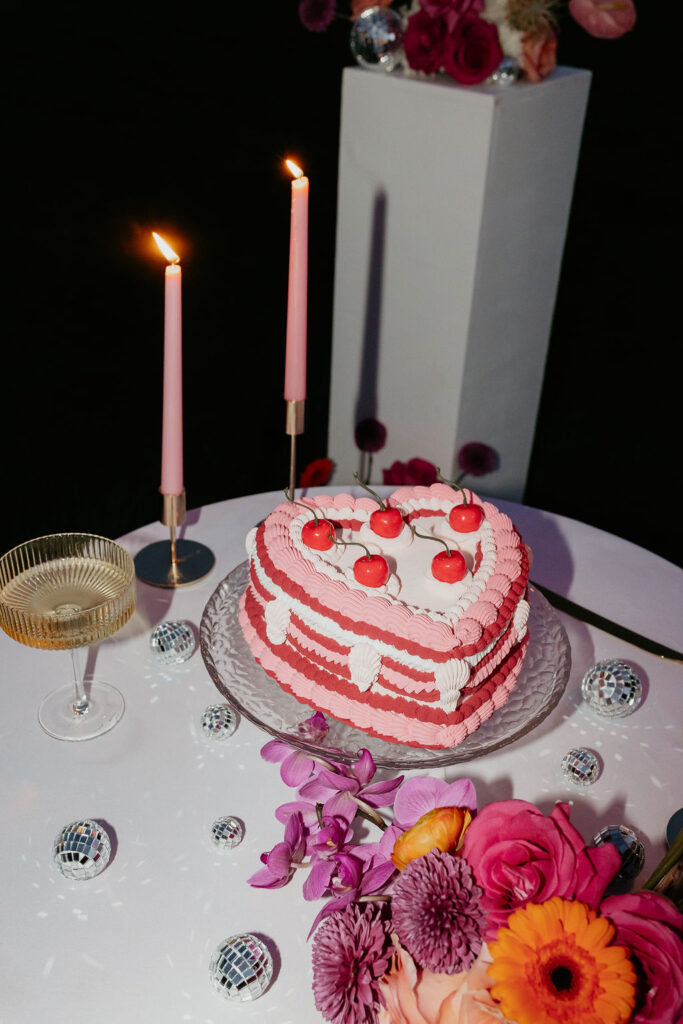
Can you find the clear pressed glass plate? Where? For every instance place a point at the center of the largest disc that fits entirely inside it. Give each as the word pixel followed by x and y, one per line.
pixel 259 698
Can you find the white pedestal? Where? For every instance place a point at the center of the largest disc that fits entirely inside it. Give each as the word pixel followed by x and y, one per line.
pixel 452 214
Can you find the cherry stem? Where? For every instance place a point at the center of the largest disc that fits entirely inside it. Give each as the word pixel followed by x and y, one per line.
pixel 354 543
pixel 426 536
pixel 370 491
pixel 452 483
pixel 301 505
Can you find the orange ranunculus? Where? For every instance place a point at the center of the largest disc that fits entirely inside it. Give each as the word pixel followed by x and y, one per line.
pixel 441 829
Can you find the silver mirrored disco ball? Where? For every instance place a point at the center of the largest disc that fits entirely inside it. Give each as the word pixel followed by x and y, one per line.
pixel 377 39
pixel 227 832
pixel 506 73
pixel 241 968
pixel 629 847
pixel 81 850
pixel 581 767
pixel 219 721
pixel 612 689
pixel 172 642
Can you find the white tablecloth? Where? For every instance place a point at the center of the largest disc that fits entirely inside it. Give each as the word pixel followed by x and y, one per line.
pixel 134 943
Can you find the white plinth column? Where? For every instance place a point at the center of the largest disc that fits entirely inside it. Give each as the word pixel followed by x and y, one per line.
pixel 452 214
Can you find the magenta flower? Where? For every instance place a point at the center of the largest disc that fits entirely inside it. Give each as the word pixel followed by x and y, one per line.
pixel 351 952
pixel 296 766
pixel 415 471
pixel 316 15
pixel 281 861
pixel 477 459
pixel 653 930
pixel 314 728
pixel 604 19
pixel 331 838
pixel 436 912
pixel 370 435
pixel 451 10
pixel 343 791
pixel 423 43
pixel 519 856
pixel 347 877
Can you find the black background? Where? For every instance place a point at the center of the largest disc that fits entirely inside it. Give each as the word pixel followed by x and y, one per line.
pixel 177 118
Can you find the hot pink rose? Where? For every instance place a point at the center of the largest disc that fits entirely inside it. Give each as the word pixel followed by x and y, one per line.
pixel 518 855
pixel 472 52
pixel 539 54
pixel 423 45
pixel 651 926
pixel 604 19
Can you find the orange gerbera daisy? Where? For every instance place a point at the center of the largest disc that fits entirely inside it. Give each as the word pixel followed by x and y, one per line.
pixel 554 963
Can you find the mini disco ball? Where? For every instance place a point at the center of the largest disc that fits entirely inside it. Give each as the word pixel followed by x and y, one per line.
pixel 81 850
pixel 241 968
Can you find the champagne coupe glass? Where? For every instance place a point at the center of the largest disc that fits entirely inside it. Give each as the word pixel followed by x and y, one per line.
pixel 61 592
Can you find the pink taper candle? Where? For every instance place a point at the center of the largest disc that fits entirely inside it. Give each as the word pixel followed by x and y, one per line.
pixel 295 357
pixel 172 424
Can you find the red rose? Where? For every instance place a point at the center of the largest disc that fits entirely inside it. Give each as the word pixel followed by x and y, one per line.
pixel 423 42
pixel 473 51
pixel 539 54
pixel 316 473
pixel 411 473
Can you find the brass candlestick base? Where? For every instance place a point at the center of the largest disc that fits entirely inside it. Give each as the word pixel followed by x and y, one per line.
pixel 173 562
pixel 294 424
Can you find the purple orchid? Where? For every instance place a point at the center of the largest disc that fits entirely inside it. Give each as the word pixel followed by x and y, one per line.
pixel 314 728
pixel 343 791
pixel 296 766
pixel 331 840
pixel 282 860
pixel 348 877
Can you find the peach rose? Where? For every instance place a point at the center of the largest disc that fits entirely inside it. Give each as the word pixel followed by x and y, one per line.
pixel 604 19
pixel 539 54
pixel 415 996
pixel 441 829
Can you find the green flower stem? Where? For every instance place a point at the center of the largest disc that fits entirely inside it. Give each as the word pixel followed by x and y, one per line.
pixel 453 483
pixel 369 489
pixel 671 859
pixel 426 536
pixel 370 814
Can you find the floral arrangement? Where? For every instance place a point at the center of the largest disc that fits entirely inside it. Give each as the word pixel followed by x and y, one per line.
pixel 455 915
pixel 468 39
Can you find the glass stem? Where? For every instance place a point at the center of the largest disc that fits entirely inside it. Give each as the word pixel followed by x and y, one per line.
pixel 80 705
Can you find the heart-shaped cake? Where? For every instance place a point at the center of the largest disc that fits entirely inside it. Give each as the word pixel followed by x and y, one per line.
pixel 405 655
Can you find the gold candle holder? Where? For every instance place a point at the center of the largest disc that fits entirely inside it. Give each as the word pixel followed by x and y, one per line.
pixel 177 561
pixel 294 424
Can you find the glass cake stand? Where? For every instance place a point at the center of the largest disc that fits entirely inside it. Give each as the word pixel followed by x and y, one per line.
pixel 252 693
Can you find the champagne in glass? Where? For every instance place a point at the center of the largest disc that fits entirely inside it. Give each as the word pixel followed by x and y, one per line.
pixel 62 592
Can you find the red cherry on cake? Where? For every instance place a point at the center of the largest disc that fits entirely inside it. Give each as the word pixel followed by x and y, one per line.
pixel 466 518
pixel 386 522
pixel 318 534
pixel 448 566
pixel 371 570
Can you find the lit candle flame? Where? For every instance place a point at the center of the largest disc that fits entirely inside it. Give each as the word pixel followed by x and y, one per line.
pixel 296 171
pixel 166 249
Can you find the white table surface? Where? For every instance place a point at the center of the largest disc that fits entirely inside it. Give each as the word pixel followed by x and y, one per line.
pixel 134 943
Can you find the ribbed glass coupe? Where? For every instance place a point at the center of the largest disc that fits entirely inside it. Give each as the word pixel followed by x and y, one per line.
pixel 62 592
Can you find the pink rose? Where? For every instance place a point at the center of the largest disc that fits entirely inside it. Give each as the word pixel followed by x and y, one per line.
pixel 411 473
pixel 604 19
pixel 472 52
pixel 539 54
pixel 653 929
pixel 423 45
pixel 416 996
pixel 518 855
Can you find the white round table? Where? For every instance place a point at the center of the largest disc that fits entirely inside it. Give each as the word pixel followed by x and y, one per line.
pixel 134 944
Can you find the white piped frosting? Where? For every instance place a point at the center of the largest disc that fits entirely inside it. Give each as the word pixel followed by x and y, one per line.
pixel 277 616
pixel 364 663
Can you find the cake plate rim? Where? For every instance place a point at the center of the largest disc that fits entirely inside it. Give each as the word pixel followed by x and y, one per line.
pixel 543 679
